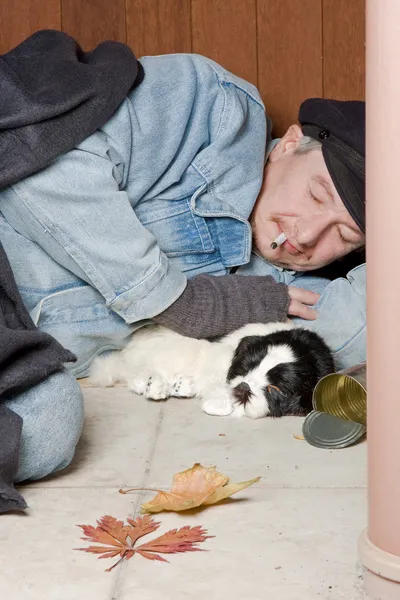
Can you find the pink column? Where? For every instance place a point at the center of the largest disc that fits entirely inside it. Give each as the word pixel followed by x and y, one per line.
pixel 380 545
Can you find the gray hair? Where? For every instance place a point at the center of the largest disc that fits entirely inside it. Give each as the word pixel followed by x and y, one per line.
pixel 306 144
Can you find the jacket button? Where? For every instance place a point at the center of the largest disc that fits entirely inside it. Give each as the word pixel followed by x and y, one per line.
pixel 324 134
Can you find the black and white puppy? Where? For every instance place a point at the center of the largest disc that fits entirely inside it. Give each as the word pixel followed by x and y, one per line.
pixel 259 370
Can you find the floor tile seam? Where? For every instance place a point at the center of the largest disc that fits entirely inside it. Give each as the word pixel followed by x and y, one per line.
pixel 121 573
pixel 167 487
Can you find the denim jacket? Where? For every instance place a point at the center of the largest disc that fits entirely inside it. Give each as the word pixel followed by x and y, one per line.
pixel 162 192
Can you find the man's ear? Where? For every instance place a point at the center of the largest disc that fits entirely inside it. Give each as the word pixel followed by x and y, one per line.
pixel 287 144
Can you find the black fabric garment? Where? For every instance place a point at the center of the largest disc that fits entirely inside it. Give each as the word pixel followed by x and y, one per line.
pixel 10 434
pixel 52 96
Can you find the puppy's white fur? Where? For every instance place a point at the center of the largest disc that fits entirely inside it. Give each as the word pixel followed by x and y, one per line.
pixel 159 363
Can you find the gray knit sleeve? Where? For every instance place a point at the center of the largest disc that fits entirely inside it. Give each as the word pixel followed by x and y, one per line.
pixel 214 306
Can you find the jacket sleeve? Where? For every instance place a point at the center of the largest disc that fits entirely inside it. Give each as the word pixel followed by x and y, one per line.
pixel 76 211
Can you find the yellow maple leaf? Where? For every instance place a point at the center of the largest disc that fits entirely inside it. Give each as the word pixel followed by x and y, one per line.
pixel 198 486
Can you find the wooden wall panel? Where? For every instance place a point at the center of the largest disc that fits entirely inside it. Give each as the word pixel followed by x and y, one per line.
pixel 93 21
pixel 158 26
pixel 344 49
pixel 290 49
pixel 20 18
pixel 227 33
pixel 289 56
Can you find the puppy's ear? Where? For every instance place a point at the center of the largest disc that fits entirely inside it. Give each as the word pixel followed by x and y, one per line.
pixel 245 343
pixel 296 386
pixel 281 405
pixel 246 356
pixel 274 399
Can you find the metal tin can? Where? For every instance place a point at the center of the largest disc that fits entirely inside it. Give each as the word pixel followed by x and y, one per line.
pixel 340 409
pixel 343 394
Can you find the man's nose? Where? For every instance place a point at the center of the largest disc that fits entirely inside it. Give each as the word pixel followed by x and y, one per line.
pixel 310 229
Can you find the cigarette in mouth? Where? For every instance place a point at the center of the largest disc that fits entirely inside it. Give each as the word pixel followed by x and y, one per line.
pixel 281 239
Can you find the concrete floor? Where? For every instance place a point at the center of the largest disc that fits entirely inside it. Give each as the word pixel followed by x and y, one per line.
pixel 292 536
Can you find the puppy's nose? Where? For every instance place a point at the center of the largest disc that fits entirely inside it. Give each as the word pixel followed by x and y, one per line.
pixel 243 387
pixel 242 392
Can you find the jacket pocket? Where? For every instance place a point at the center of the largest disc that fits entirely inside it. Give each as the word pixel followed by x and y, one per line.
pixel 176 228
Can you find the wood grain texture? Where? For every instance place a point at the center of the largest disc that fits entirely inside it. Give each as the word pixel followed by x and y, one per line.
pixel 158 26
pixel 20 18
pixel 93 21
pixel 227 33
pixel 289 57
pixel 344 49
pixel 276 44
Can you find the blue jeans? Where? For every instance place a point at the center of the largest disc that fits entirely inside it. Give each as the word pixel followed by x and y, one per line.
pixel 52 414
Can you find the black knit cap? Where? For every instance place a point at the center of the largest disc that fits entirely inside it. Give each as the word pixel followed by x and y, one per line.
pixel 340 127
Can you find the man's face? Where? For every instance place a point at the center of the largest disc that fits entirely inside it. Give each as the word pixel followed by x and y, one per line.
pixel 299 199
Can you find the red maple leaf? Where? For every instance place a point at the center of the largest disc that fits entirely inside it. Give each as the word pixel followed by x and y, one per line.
pixel 119 539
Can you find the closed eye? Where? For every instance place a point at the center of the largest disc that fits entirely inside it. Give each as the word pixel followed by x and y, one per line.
pixel 343 239
pixel 315 198
pixel 346 240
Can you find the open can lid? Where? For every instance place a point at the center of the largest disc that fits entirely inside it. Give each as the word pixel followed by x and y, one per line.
pixel 326 431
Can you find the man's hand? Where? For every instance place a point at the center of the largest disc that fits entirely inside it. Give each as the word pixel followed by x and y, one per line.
pixel 300 303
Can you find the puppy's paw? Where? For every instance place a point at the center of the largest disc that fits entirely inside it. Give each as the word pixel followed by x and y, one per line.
pixel 183 387
pixel 157 388
pixel 217 403
pixel 138 385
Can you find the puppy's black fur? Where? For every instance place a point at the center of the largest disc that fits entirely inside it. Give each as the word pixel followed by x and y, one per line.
pixel 295 380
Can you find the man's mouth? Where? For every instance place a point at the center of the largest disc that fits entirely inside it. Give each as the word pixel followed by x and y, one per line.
pixel 287 245
pixel 290 248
